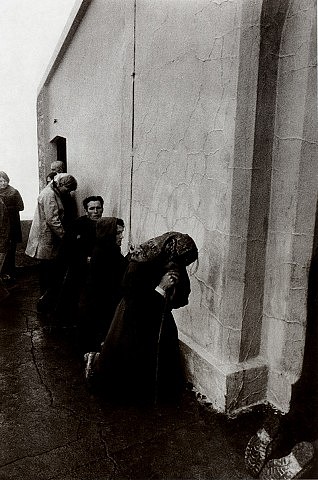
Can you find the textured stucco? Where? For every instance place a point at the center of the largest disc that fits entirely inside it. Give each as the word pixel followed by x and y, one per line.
pixel 293 198
pixel 271 26
pixel 193 148
pixel 199 116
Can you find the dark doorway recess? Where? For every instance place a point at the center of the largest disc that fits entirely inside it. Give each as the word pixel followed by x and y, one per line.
pixel 61 151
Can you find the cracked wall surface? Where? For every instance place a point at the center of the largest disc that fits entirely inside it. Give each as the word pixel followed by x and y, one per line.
pixel 200 117
pixel 188 74
pixel 293 199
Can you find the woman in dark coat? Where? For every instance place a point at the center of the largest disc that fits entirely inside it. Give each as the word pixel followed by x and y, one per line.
pixel 102 291
pixel 4 232
pixel 4 241
pixel 139 360
pixel 14 204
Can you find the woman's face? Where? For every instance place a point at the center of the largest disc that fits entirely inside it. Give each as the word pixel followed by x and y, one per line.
pixel 119 235
pixel 3 183
pixel 185 259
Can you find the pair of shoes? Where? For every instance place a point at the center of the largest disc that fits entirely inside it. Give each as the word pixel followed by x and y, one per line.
pixel 294 465
pixel 89 359
pixel 261 445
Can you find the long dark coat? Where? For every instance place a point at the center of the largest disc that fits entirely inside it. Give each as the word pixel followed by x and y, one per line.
pixel 102 290
pixel 4 232
pixel 140 357
pixel 14 203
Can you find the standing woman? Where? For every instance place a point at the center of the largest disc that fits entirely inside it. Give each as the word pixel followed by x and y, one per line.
pixel 46 234
pixel 14 204
pixel 4 233
pixel 139 360
pixel 4 241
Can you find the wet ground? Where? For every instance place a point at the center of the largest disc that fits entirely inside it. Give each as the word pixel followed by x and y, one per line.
pixel 52 427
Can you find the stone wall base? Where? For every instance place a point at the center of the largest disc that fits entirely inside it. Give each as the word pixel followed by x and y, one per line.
pixel 228 387
pixel 279 390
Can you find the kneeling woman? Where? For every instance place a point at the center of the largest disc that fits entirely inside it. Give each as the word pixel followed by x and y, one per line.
pixel 102 291
pixel 140 360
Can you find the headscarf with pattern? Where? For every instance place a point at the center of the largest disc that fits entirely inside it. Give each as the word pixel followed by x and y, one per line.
pixel 171 246
pixel 4 176
pixel 106 230
pixel 65 179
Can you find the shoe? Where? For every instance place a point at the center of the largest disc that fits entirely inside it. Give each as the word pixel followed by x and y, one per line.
pixel 260 446
pixel 5 277
pixel 43 305
pixel 8 279
pixel 89 359
pixel 294 465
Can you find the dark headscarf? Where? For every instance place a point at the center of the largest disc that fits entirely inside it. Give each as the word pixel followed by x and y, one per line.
pixel 65 180
pixel 106 231
pixel 172 246
pixel 4 176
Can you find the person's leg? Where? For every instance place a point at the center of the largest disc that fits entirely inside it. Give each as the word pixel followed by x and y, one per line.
pixel 45 275
pixel 3 291
pixel 2 259
pixel 9 263
pixel 47 280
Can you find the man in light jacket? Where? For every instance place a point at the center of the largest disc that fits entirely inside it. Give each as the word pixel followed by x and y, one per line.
pixel 47 232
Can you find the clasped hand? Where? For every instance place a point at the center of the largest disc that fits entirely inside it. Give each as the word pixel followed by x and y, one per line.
pixel 169 280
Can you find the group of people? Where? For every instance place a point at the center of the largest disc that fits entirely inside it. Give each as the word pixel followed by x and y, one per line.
pixel 122 304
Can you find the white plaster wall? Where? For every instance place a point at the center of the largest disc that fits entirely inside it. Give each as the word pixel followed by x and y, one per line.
pixel 293 201
pixel 186 109
pixel 194 114
pixel 194 124
pixel 241 169
pixel 89 95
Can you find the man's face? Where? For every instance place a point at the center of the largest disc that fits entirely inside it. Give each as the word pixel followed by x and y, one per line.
pixel 119 235
pixel 57 167
pixel 94 210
